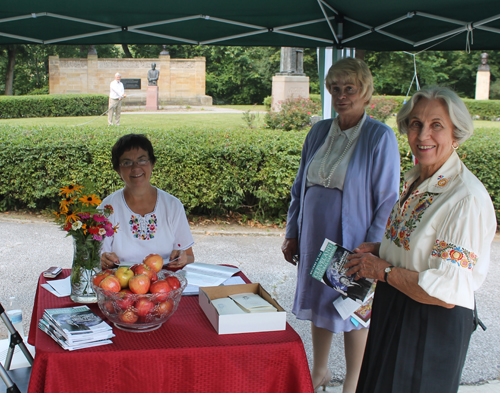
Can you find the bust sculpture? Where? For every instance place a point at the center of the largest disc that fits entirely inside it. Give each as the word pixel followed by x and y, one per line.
pixel 484 63
pixel 153 75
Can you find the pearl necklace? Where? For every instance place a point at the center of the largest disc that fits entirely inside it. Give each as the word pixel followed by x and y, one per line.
pixel 325 180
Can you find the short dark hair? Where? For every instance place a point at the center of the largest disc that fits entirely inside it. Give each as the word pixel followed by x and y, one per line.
pixel 129 142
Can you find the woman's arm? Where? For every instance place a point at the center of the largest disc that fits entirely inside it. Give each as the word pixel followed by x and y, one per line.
pixel 369 266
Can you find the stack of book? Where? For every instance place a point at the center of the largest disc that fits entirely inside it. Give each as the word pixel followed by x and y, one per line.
pixel 75 327
pixel 242 303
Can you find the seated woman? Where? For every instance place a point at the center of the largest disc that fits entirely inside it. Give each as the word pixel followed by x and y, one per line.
pixel 150 220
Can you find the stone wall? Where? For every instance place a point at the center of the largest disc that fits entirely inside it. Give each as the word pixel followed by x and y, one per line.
pixel 181 81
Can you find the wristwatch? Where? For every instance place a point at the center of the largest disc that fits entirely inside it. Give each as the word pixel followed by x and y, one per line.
pixel 387 270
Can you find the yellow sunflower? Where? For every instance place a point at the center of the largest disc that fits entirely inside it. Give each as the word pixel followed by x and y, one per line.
pixel 72 217
pixel 70 190
pixel 66 202
pixel 90 200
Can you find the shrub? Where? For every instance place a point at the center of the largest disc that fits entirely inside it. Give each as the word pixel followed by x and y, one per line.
pixel 211 171
pixel 52 105
pixel 381 108
pixel 295 114
pixel 38 92
pixel 267 102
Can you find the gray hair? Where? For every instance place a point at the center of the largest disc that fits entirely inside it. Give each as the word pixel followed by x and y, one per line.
pixel 118 74
pixel 459 115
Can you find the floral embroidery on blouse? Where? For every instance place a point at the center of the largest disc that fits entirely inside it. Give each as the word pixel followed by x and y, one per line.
pixel 454 254
pixel 143 228
pixel 441 181
pixel 400 226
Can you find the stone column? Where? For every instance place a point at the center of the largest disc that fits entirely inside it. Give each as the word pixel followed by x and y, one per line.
pixel 291 81
pixel 483 79
pixel 164 80
pixel 54 75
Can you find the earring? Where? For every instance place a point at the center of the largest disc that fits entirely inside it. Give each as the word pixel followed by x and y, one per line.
pixel 454 147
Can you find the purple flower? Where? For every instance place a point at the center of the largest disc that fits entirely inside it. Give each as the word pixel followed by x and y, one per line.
pixel 109 232
pixel 99 218
pixel 84 216
pixel 97 237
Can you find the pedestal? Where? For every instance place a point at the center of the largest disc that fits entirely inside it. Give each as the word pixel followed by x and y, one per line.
pixel 483 85
pixel 152 98
pixel 285 87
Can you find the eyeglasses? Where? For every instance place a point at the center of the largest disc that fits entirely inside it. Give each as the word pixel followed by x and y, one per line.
pixel 130 163
pixel 347 90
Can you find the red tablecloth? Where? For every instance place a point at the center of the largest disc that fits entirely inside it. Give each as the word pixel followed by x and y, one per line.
pixel 184 355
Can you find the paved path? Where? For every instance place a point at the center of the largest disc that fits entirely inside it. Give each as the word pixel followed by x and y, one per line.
pixel 31 246
pixel 182 110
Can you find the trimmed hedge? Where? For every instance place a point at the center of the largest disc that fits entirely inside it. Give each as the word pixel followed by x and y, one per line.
pixel 52 105
pixel 211 172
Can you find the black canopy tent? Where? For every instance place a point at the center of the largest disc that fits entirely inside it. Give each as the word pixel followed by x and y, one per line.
pixel 382 25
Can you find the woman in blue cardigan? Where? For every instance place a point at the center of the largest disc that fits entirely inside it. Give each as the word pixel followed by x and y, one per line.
pixel 346 186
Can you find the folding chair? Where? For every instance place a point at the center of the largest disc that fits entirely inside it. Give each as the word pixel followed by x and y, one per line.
pixel 21 375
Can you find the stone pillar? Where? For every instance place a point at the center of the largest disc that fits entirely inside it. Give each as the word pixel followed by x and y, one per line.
pixel 54 75
pixel 92 74
pixel 164 79
pixel 152 98
pixel 483 79
pixel 291 81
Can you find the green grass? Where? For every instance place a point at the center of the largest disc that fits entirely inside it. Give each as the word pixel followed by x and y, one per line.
pixel 163 121
pixel 253 108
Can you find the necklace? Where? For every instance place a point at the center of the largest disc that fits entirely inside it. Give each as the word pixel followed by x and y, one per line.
pixel 326 179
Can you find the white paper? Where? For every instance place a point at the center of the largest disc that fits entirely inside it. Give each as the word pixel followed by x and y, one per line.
pixel 345 307
pixel 59 288
pixel 195 290
pixel 237 280
pixel 226 306
pixel 206 275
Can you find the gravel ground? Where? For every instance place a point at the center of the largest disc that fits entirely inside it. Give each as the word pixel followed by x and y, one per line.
pixel 33 245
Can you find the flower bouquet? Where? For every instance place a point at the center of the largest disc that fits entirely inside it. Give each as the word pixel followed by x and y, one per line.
pixel 81 218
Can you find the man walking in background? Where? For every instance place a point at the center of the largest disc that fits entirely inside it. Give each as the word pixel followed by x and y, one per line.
pixel 116 93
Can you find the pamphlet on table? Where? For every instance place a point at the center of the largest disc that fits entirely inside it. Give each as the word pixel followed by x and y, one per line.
pixel 59 288
pixel 75 327
pixel 329 268
pixel 206 275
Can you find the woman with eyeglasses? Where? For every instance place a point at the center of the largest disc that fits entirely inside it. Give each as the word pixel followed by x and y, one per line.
pixel 150 220
pixel 347 183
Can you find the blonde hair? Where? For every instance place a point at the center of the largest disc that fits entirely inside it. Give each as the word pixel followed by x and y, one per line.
pixel 459 115
pixel 354 71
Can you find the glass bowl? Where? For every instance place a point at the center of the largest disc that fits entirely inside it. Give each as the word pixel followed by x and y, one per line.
pixel 140 313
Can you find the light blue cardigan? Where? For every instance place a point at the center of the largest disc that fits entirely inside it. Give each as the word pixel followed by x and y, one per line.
pixel 371 184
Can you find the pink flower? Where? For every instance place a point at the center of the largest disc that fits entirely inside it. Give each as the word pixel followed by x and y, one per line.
pixel 97 237
pixel 84 216
pixel 99 218
pixel 308 113
pixel 109 232
pixel 371 116
pixel 373 106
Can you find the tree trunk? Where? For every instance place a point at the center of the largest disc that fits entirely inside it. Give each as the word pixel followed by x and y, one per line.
pixel 127 51
pixel 9 75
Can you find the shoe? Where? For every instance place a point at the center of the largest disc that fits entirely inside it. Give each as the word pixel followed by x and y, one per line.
pixel 324 381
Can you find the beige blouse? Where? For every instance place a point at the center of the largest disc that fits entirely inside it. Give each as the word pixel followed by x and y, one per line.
pixel 321 165
pixel 444 231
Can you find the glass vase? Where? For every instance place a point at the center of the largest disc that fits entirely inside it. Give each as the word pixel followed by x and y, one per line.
pixel 86 263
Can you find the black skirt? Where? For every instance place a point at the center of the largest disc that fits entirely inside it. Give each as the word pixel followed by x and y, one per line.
pixel 414 347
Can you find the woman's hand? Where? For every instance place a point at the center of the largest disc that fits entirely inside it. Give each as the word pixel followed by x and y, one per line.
pixel 109 260
pixel 289 249
pixel 366 265
pixel 372 248
pixel 180 258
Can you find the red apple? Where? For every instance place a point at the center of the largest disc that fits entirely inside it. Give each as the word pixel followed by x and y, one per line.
pixel 161 288
pixel 145 269
pixel 124 274
pixel 139 284
pixel 165 308
pixel 100 276
pixel 144 307
pixel 111 283
pixel 126 299
pixel 108 306
pixel 173 282
pixel 154 261
pixel 128 316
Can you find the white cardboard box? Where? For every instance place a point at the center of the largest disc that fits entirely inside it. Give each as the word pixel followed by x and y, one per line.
pixel 241 323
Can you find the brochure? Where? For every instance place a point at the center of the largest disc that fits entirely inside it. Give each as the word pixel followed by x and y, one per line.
pixel 329 269
pixel 251 302
pixel 205 275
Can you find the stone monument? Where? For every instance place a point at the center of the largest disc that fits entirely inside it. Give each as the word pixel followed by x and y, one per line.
pixel 483 79
pixel 291 81
pixel 152 95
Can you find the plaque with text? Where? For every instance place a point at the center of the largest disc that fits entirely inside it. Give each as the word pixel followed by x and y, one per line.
pixel 132 84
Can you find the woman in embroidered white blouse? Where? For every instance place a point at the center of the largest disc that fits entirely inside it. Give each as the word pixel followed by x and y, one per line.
pixel 150 220
pixel 434 255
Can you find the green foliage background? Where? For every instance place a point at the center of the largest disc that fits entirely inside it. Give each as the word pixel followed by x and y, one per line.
pixel 211 171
